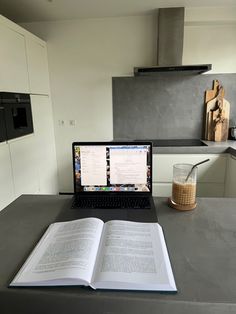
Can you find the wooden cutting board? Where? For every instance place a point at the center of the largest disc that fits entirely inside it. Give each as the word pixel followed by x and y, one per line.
pixel 210 101
pixel 221 122
pixel 217 114
pixel 210 94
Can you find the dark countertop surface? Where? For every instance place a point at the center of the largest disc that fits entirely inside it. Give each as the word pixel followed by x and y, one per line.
pixel 210 148
pixel 201 245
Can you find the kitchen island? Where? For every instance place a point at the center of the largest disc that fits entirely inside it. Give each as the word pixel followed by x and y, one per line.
pixel 201 245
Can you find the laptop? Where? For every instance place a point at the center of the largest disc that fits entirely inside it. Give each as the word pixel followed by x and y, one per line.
pixel 113 180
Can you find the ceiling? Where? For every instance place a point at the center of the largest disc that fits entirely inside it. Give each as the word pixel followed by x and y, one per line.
pixel 53 10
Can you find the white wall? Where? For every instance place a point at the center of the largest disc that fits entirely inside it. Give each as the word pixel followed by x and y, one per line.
pixel 84 55
pixel 210 37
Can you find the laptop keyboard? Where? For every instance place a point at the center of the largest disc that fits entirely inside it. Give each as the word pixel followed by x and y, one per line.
pixel 112 202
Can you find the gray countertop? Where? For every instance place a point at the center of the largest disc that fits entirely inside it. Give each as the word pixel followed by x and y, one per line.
pixel 211 148
pixel 201 245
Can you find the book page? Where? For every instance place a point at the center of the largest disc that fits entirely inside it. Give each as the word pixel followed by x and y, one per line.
pixel 66 253
pixel 133 256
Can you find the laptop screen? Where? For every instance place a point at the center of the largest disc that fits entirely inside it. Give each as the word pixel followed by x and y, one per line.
pixel 112 167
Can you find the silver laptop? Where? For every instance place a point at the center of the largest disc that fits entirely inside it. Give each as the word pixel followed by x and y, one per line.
pixel 113 179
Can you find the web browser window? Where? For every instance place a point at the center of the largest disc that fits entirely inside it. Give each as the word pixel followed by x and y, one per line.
pixel 116 168
pixel 128 165
pixel 93 165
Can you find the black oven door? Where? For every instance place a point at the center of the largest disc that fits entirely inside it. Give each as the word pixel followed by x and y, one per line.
pixel 3 134
pixel 18 114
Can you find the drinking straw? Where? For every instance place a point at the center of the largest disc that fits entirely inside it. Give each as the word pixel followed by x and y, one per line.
pixel 194 166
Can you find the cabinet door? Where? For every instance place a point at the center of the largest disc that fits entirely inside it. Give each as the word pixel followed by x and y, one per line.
pixel 230 186
pixel 24 165
pixel 6 181
pixel 203 189
pixel 211 171
pixel 45 144
pixel 162 189
pixel 37 65
pixel 210 177
pixel 13 62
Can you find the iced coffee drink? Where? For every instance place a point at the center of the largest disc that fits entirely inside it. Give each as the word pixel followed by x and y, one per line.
pixel 184 185
pixel 184 193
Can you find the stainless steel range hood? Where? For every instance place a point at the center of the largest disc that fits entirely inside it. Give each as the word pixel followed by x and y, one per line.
pixel 170 45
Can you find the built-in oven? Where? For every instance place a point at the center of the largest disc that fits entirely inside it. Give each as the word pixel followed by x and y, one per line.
pixel 2 125
pixel 15 115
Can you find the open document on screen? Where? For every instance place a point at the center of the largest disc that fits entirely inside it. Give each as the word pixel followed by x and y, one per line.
pixel 116 168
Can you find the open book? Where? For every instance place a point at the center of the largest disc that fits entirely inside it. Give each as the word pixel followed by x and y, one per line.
pixel 112 255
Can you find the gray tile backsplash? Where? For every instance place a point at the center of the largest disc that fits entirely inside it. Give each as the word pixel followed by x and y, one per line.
pixel 167 106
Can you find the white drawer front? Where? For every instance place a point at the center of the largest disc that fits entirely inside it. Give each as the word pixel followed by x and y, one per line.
pixel 211 171
pixel 203 189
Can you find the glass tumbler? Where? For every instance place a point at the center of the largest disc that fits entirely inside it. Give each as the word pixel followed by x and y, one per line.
pixel 184 186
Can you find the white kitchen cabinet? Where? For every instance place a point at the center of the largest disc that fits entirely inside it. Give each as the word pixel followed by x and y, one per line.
pixel 230 186
pixel 45 144
pixel 6 179
pixel 30 165
pixel 27 164
pixel 13 62
pixel 24 165
pixel 210 178
pixel 37 65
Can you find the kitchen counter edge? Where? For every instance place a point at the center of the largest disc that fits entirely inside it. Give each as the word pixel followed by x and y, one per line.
pixel 211 148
